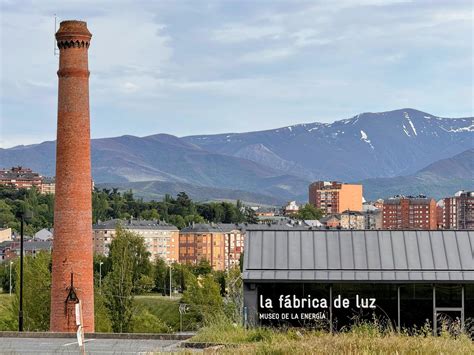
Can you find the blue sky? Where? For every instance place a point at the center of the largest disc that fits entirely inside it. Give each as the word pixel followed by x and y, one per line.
pixel 195 67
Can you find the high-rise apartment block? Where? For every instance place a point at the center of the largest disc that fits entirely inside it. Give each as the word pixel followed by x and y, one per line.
pixel 410 212
pixel 335 197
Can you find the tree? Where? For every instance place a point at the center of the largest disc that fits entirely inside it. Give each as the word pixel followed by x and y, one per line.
pixel 5 276
pixel 160 275
pixel 102 320
pixel 150 214
pixel 36 291
pixel 203 296
pixel 308 211
pixel 233 301
pixel 7 218
pixel 203 267
pixel 129 262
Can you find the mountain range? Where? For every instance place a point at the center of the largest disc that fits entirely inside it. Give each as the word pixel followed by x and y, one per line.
pixel 387 151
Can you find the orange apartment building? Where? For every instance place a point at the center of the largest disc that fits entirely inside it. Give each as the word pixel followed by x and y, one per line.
pixel 220 244
pixel 409 213
pixel 335 197
pixel 161 239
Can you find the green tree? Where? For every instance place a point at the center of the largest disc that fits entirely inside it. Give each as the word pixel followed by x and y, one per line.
pixel 36 291
pixel 233 301
pixel 5 276
pixel 7 217
pixel 160 275
pixel 203 267
pixel 103 324
pixel 129 262
pixel 151 214
pixel 308 211
pixel 203 296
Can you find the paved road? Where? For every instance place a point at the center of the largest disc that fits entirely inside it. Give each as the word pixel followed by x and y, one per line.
pixel 93 346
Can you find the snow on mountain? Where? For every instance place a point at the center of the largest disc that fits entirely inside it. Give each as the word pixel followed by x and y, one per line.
pixel 401 142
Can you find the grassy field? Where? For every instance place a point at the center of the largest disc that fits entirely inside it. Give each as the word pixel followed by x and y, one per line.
pixel 163 307
pixel 359 340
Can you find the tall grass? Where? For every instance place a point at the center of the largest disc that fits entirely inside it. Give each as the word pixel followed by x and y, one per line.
pixel 361 338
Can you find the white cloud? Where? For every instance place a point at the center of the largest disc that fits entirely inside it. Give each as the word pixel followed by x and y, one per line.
pixel 267 55
pixel 291 60
pixel 236 33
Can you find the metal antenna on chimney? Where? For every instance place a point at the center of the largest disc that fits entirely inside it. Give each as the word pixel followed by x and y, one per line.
pixel 56 49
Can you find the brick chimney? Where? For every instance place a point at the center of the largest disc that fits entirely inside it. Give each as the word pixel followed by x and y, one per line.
pixel 72 270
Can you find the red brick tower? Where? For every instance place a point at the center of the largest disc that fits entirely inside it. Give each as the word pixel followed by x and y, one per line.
pixel 72 271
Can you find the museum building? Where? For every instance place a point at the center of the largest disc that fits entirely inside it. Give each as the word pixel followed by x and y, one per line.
pixel 335 278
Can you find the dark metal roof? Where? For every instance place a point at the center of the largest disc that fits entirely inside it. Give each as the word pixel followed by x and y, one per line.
pixel 359 256
pixel 202 228
pixel 133 224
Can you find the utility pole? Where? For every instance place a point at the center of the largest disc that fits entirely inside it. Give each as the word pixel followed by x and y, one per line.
pixel 10 284
pixel 20 313
pixel 170 280
pixel 100 276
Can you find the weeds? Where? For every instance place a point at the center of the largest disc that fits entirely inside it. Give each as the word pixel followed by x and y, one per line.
pixel 362 338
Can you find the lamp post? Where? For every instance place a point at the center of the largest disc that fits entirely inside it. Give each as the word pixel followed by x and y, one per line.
pixel 100 276
pixel 10 283
pixel 24 216
pixel 170 280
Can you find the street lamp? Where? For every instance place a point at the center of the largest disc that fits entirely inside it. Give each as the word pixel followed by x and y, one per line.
pixel 10 284
pixel 100 276
pixel 26 215
pixel 170 280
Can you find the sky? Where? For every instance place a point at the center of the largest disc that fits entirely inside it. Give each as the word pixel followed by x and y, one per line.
pixel 200 67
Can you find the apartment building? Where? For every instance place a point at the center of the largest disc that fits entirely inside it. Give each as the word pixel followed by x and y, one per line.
pixel 220 244
pixel 20 177
pixel 409 212
pixel 456 212
pixel 352 220
pixel 25 178
pixel 161 239
pixel 335 197
pixel 372 216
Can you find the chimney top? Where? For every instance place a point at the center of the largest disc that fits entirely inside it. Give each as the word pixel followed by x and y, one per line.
pixel 72 30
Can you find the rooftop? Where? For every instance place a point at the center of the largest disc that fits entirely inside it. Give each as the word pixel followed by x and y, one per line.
pixel 133 224
pixel 359 256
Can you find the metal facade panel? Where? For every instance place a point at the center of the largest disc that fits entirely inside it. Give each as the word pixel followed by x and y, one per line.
pixel 268 250
pixel 347 250
pixel 360 250
pixel 373 251
pixel 254 250
pixel 466 249
pixel 438 250
pixel 451 244
pixel 321 250
pixel 425 249
pixel 308 260
pixel 399 250
pixel 411 248
pixel 294 248
pixel 386 252
pixel 333 251
pixel 281 244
